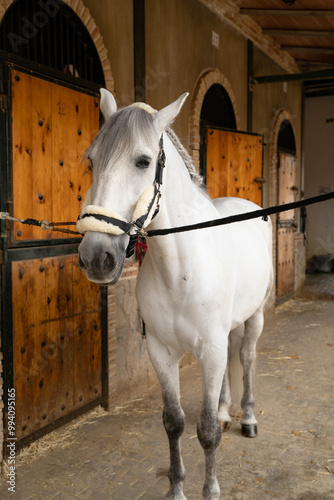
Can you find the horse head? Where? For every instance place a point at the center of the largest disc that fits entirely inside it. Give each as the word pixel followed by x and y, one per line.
pixel 124 158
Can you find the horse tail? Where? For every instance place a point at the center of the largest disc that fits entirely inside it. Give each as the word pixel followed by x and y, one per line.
pixel 236 370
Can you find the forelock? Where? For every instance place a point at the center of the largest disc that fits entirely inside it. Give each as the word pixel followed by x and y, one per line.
pixel 121 134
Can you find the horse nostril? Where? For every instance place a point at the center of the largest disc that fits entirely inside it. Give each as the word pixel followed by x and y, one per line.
pixel 81 263
pixel 108 263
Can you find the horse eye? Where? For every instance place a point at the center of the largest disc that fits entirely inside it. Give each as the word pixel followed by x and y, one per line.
pixel 143 162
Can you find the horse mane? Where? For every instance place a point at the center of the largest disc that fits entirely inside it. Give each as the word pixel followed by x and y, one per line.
pixel 119 135
pixel 187 159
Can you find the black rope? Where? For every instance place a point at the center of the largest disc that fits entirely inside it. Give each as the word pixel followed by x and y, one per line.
pixel 264 213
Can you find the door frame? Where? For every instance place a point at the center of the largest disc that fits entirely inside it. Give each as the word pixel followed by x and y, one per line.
pixel 12 251
pixel 284 224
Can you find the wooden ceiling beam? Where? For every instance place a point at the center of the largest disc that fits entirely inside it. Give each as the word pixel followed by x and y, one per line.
pixel 284 32
pixel 310 62
pixel 310 50
pixel 287 12
pixel 228 11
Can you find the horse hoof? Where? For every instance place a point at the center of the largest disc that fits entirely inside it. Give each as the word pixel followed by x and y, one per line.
pixel 249 430
pixel 225 426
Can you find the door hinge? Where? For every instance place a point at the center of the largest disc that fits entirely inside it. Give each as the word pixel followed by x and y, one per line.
pixel 260 180
pixel 3 102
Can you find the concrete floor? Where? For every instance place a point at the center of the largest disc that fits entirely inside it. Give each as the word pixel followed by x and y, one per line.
pixel 123 455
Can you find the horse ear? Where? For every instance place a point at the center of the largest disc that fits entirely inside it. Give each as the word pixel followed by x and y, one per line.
pixel 165 116
pixel 108 104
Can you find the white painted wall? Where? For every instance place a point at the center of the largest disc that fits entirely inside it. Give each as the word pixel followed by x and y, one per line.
pixel 319 173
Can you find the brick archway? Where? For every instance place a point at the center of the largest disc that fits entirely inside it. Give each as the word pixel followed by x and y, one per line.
pixel 206 79
pixel 85 16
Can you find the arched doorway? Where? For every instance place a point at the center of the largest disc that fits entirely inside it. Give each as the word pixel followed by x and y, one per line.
pixel 217 109
pixel 286 221
pixel 52 317
pixel 216 112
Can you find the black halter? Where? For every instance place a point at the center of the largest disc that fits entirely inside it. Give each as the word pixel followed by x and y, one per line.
pixel 134 228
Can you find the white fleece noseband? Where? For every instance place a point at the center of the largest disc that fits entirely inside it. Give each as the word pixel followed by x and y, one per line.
pixel 87 223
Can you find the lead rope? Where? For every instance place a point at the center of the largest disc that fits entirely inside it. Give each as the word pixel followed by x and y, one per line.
pixel 263 213
pixel 43 224
pixel 255 214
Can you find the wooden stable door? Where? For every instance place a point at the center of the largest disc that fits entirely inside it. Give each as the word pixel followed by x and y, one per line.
pixel 57 341
pixel 55 337
pixel 286 226
pixel 234 164
pixel 52 126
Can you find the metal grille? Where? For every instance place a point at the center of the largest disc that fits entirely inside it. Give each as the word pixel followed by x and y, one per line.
pixel 49 33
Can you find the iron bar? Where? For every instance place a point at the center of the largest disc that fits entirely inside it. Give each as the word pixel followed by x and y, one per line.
pixel 311 75
pixel 61 23
pixel 250 76
pixel 85 61
pixel 67 62
pixel 139 49
pixel 73 49
pixel 80 53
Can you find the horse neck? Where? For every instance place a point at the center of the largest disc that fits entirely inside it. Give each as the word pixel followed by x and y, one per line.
pixel 182 203
pixel 177 191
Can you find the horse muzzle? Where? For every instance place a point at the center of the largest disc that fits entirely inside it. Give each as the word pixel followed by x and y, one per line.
pixel 102 256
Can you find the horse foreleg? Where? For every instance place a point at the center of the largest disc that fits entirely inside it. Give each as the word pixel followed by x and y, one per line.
pixel 167 368
pixel 212 360
pixel 253 330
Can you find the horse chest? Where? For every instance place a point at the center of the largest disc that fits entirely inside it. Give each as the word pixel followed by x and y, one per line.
pixel 180 314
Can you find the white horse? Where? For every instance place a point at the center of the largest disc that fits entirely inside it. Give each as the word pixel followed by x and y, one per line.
pixel 194 288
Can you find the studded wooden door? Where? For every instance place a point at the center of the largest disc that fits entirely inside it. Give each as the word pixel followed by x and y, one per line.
pixel 234 164
pixel 286 226
pixel 52 126
pixel 56 311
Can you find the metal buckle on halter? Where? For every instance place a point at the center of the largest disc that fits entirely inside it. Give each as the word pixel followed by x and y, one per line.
pixel 139 231
pixel 158 196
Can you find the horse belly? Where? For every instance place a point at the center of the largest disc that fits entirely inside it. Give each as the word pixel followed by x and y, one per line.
pixel 253 281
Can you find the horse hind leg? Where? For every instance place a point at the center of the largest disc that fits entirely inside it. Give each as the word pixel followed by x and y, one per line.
pixel 232 389
pixel 167 369
pixel 253 330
